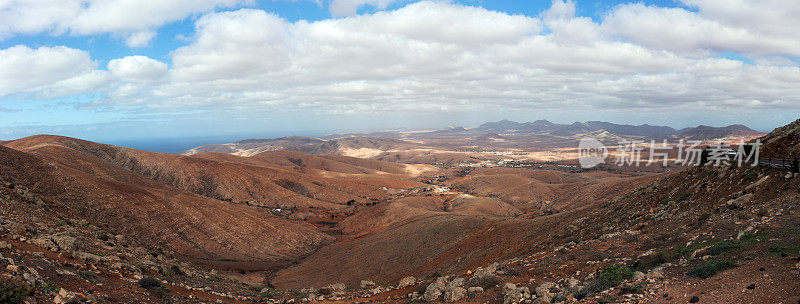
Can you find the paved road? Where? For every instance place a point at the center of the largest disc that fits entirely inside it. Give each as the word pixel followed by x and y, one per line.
pixel 776 162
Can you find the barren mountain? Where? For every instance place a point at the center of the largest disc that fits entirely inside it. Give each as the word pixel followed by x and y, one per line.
pixel 197 227
pixel 345 229
pixel 710 133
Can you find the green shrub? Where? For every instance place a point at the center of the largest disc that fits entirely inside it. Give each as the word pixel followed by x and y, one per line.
pixel 614 275
pixel 683 197
pixel 87 275
pixel 13 292
pixel 750 175
pixel 649 261
pixel 155 287
pixel 721 247
pixel 51 287
pixel 637 289
pixel 604 279
pixel 711 268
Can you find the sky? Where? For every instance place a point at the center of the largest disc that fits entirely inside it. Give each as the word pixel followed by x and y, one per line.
pixel 126 71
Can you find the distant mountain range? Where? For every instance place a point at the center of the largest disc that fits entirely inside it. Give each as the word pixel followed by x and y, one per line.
pixel 543 126
pixel 373 144
pixel 309 145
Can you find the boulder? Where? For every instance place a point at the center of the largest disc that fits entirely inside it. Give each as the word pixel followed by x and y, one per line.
pixel 454 290
pixel 487 271
pixel 543 291
pixel 366 283
pixel 453 294
pixel 573 283
pixel 65 297
pixel 407 281
pixel 4 245
pixel 475 289
pixel 655 273
pixel 31 276
pixel 44 243
pixel 515 294
pixel 435 289
pixel 337 286
pixel 12 268
pixel 64 242
pixel 87 257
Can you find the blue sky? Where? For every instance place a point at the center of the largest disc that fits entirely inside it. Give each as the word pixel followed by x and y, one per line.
pixel 237 69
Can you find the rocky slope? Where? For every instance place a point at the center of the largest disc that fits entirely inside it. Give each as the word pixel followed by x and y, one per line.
pixel 110 224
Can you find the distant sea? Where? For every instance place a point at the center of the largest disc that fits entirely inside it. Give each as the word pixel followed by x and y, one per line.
pixel 178 145
pixel 175 145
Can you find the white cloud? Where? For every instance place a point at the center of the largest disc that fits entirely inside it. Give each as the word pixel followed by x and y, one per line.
pixel 754 28
pixel 138 69
pixel 140 39
pixel 136 20
pixel 440 56
pixel 56 70
pixel 350 7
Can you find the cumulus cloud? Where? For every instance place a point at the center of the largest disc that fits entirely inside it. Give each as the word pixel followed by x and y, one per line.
pixel 440 56
pixel 443 56
pixel 760 28
pixel 138 69
pixel 55 70
pixel 136 20
pixel 350 7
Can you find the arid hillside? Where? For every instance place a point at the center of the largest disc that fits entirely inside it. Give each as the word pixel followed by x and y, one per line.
pixel 198 207
pixel 286 226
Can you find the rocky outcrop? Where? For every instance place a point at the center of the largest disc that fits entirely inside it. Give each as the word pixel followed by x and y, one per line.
pixel 407 281
pixel 435 289
pixel 513 294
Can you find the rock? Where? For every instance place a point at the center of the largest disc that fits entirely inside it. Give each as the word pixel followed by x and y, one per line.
pixel 4 245
pixel 515 294
pixel 694 299
pixel 407 281
pixel 485 276
pixel 12 268
pixel 454 290
pixel 65 297
pixel 337 286
pixel 655 273
pixel 64 242
pixel 44 243
pixel 543 291
pixel 32 276
pixel 759 182
pixel 452 294
pixel 475 289
pixel 638 276
pixel 573 283
pixel 487 271
pixel 366 283
pixel 435 289
pixel 457 282
pixel 87 257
